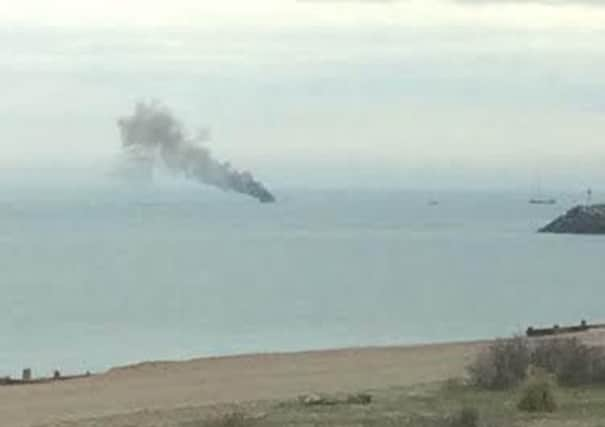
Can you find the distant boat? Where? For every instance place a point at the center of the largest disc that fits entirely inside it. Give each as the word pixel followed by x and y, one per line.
pixel 433 203
pixel 536 201
pixel 539 199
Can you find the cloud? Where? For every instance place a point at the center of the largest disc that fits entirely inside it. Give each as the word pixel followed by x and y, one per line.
pixel 309 15
pixel 543 2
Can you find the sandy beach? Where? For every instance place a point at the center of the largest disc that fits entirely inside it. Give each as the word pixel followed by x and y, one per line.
pixel 165 386
pixel 161 390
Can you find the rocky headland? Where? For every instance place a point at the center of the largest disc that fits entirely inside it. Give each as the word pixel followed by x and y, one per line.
pixel 579 220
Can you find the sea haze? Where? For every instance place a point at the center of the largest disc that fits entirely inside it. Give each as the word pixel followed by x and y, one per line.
pixel 97 278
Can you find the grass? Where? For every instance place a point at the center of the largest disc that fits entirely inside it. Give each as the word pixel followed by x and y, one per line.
pixel 446 404
pixel 538 396
pixel 515 383
pixel 231 419
pixel 449 404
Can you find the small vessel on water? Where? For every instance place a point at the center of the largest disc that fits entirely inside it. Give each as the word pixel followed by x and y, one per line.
pixel 538 197
pixel 539 201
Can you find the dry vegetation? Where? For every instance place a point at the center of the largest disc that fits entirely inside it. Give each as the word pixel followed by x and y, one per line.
pixel 507 363
pixel 434 405
pixel 513 382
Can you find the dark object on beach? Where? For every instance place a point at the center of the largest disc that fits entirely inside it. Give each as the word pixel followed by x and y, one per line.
pixel 322 400
pixel 317 400
pixel 359 399
pixel 27 379
pixel 465 417
pixel 232 419
pixel 579 220
pixel 556 330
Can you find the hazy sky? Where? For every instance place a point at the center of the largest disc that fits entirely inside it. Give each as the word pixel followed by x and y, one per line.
pixel 437 93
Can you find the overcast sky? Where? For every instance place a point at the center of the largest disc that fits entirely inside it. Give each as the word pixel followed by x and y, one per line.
pixel 428 93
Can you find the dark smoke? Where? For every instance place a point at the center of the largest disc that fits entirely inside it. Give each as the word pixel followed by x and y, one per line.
pixel 152 131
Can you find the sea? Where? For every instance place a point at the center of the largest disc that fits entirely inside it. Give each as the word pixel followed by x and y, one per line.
pixel 92 278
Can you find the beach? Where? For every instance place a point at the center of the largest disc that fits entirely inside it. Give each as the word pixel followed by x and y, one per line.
pixel 168 386
pixel 167 393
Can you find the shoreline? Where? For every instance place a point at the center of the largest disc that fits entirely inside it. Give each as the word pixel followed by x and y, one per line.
pixel 306 352
pixel 70 374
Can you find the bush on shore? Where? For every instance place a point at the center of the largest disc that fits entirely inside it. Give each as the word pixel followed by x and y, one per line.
pixel 538 396
pixel 571 361
pixel 504 364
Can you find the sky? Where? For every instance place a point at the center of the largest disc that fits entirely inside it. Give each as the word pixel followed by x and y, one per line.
pixel 384 94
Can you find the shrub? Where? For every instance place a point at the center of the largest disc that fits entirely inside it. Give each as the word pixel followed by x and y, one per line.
pixel 571 361
pixel 502 365
pixel 538 397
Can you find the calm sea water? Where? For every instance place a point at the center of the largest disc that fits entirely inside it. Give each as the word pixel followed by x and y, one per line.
pixel 93 279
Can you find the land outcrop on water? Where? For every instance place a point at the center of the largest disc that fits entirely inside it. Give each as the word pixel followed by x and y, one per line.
pixel 579 220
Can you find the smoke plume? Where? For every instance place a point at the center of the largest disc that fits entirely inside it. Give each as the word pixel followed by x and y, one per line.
pixel 152 132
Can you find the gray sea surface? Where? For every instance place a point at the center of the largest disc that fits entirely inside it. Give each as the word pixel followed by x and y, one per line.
pixel 94 278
